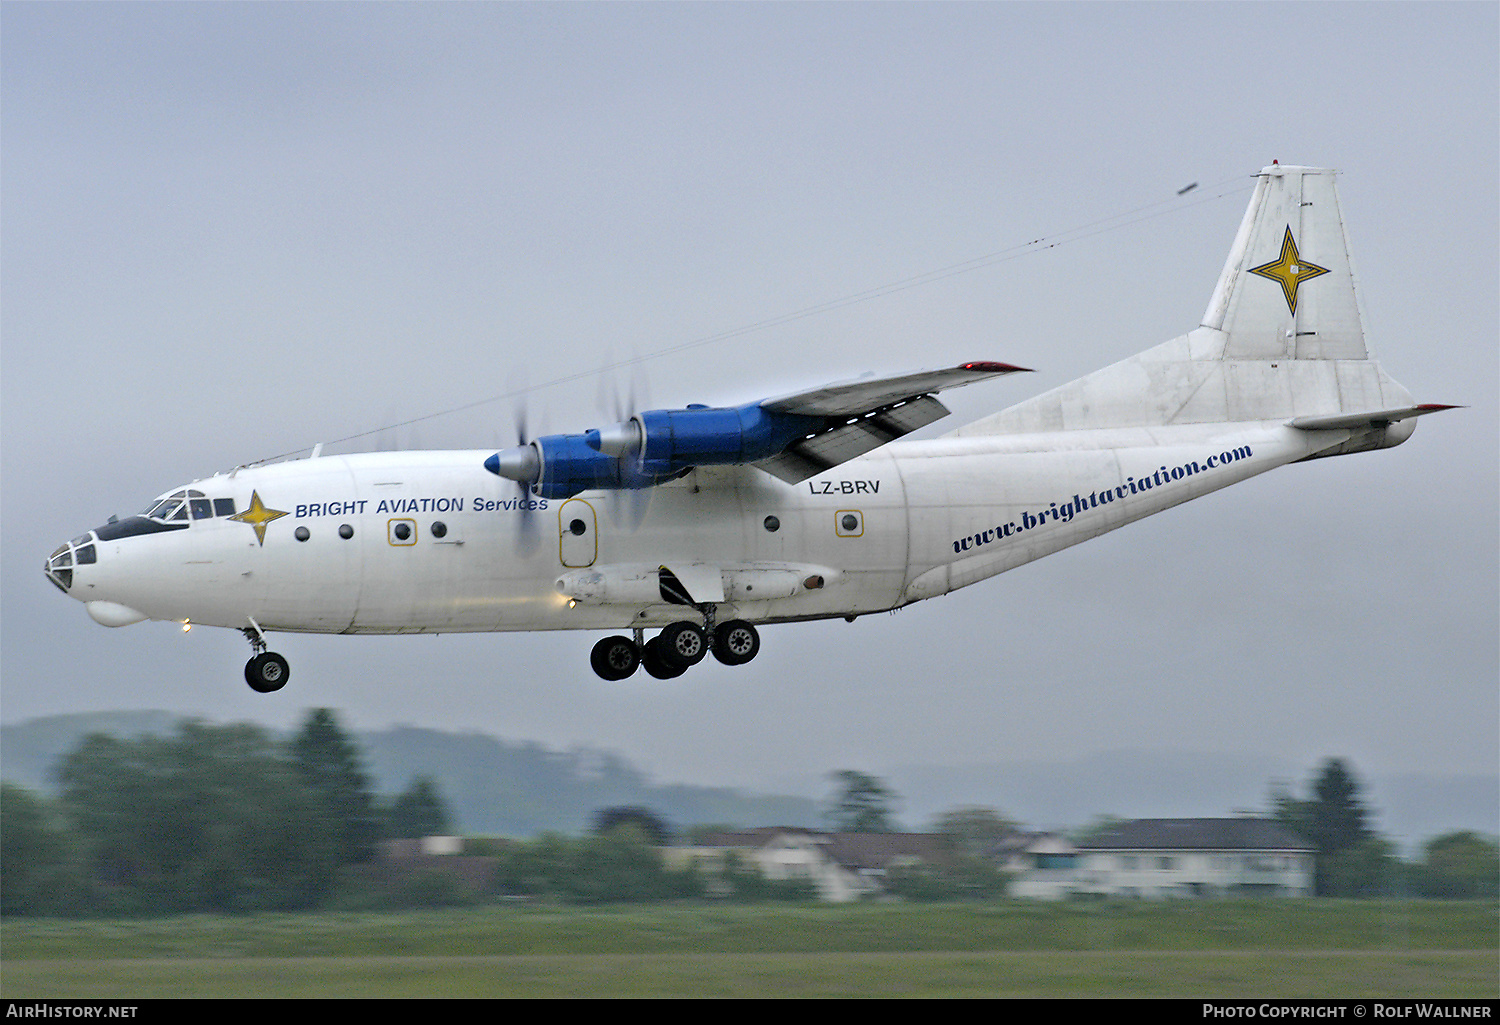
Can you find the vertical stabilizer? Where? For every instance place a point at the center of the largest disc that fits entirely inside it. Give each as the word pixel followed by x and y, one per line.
pixel 1282 337
pixel 1288 288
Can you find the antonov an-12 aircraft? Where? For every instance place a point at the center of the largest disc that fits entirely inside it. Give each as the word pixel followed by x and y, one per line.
pixel 701 524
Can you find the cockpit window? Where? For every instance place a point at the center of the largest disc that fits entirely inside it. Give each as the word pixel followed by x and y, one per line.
pixel 188 502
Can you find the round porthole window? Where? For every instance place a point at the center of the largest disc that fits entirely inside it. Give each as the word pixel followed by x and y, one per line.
pixel 850 523
pixel 772 524
pixel 302 533
pixel 439 529
pixel 346 531
pixel 402 531
pixel 577 527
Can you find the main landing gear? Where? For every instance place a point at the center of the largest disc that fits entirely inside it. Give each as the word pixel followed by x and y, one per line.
pixel 266 671
pixel 677 648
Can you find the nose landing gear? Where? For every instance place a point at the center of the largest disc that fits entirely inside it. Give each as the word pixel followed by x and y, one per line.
pixel 266 671
pixel 676 649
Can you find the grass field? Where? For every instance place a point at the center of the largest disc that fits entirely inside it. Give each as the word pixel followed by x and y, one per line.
pixel 1247 949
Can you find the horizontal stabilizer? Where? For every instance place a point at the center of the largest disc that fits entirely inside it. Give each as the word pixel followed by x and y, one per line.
pixel 1359 421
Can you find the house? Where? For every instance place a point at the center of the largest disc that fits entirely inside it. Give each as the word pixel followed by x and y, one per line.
pixel 841 866
pixel 1042 866
pixel 1195 858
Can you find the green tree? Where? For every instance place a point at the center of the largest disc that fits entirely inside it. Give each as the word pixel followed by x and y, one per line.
pixel 38 875
pixel 330 765
pixel 862 804
pixel 213 818
pixel 1461 865
pixel 973 831
pixel 646 822
pixel 1338 818
pixel 1350 859
pixel 419 811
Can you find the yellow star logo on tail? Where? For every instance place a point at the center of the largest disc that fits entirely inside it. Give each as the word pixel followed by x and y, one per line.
pixel 1289 270
pixel 258 516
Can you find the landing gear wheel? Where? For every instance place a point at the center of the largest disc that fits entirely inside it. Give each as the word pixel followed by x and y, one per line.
pixel 683 644
pixel 736 642
pixel 267 672
pixel 615 658
pixel 656 665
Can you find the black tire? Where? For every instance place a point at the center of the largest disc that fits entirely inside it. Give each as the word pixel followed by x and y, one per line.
pixel 656 665
pixel 267 672
pixel 615 658
pixel 736 642
pixel 683 644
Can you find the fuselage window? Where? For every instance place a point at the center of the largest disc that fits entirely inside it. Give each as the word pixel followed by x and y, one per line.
pixel 202 508
pixel 223 507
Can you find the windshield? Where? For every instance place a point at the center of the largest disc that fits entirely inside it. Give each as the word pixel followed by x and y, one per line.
pixel 185 503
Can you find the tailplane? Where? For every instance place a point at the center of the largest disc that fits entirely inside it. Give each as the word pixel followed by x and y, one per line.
pixel 1282 339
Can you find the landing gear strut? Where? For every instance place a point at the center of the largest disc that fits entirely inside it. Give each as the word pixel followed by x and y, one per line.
pixel 266 671
pixel 676 649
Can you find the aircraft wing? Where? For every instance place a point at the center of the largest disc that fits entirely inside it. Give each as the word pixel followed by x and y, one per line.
pixel 792 437
pixel 857 397
pixel 874 410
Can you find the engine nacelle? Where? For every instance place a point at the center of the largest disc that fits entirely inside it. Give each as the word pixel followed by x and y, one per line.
pixel 676 439
pixel 650 448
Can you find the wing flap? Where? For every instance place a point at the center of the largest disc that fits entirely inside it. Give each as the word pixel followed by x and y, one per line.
pixel 808 457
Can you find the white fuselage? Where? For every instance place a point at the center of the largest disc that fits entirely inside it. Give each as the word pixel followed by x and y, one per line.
pixel 910 521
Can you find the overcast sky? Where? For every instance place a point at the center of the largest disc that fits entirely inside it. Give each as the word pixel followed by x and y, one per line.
pixel 232 231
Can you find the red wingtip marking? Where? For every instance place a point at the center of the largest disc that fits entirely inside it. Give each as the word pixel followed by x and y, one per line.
pixel 990 367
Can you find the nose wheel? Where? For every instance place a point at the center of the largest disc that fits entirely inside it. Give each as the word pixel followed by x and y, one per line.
pixel 266 671
pixel 674 651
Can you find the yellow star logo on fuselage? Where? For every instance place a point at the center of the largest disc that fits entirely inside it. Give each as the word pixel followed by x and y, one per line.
pixel 1289 270
pixel 258 516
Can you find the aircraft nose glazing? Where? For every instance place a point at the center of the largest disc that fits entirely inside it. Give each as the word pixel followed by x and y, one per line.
pixel 62 562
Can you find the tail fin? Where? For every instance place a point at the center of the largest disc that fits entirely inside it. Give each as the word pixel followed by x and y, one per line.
pixel 1282 337
pixel 1269 303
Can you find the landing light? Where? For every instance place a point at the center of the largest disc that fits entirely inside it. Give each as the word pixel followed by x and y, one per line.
pixel 186 626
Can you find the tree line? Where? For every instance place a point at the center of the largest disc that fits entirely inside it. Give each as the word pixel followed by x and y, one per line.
pixel 227 819
pixel 1353 859
pixel 212 818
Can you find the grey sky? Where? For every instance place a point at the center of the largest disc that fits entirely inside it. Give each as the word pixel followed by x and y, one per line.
pixel 230 231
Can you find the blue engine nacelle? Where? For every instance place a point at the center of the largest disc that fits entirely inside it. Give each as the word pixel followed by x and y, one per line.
pixel 677 439
pixel 650 448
